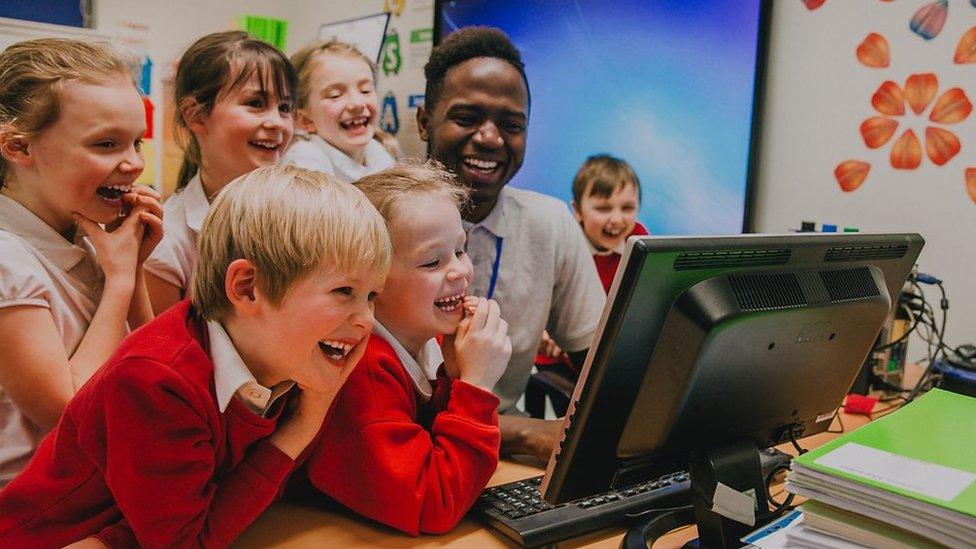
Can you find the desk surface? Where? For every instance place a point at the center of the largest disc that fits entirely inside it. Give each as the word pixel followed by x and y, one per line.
pixel 294 525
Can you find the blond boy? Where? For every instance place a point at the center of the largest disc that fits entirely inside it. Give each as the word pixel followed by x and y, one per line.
pixel 192 428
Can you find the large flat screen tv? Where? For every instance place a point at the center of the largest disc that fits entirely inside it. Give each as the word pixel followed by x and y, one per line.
pixel 673 87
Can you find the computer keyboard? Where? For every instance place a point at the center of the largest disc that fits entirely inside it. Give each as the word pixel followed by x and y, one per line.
pixel 518 510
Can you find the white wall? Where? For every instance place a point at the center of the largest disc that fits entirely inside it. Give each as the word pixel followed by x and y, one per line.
pixel 818 94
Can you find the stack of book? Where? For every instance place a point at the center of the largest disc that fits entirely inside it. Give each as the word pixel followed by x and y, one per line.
pixel 905 480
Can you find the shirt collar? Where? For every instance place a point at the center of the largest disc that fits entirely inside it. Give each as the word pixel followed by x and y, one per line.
pixel 619 250
pixel 232 377
pixel 495 221
pixel 17 219
pixel 196 203
pixel 421 369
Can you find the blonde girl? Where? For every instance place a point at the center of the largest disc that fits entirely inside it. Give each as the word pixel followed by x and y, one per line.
pixel 337 112
pixel 74 229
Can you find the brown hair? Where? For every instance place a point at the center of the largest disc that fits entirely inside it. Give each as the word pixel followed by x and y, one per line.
pixel 33 74
pixel 289 222
pixel 214 66
pixel 410 177
pixel 304 62
pixel 602 175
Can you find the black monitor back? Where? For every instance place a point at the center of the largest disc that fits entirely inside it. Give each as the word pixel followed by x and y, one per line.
pixel 709 340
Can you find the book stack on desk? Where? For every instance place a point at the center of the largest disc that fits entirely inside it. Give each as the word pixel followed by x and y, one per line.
pixel 905 480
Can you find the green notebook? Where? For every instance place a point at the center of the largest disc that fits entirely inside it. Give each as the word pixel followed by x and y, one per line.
pixel 925 451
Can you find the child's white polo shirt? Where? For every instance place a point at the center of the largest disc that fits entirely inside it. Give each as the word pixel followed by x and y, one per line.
pixel 40 268
pixel 175 257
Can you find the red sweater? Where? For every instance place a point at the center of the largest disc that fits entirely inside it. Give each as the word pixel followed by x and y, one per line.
pixel 412 464
pixel 606 264
pixel 142 454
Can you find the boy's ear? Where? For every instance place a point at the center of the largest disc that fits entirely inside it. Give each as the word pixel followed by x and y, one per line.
pixel 241 287
pixel 193 115
pixel 423 119
pixel 14 148
pixel 576 212
pixel 303 122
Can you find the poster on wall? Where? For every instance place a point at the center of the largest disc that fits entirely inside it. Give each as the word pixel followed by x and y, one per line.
pixel 366 33
pixel 667 86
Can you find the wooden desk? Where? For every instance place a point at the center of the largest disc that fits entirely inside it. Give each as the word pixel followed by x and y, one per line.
pixel 294 525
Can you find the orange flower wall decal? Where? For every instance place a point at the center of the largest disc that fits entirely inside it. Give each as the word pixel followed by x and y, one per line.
pixel 966 49
pixel 941 145
pixel 971 183
pixel 874 52
pixel 852 173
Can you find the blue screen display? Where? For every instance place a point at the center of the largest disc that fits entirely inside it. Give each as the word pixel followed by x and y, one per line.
pixel 667 85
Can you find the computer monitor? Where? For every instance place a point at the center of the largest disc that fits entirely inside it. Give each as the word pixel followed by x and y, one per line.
pixel 712 343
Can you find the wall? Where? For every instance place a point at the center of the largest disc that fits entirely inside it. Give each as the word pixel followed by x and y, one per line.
pixel 817 97
pixel 165 28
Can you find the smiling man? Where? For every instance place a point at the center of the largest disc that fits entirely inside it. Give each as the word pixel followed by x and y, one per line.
pixel 528 253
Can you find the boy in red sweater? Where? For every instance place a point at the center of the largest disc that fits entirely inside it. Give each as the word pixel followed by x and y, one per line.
pixel 193 426
pixel 606 197
pixel 408 443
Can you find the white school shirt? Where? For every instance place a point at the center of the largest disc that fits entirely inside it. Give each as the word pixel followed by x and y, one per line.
pixel 175 258
pixel 39 268
pixel 314 153
pixel 233 378
pixel 421 368
pixel 546 280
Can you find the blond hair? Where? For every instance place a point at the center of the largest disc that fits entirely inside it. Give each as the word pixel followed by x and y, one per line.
pixel 385 189
pixel 602 175
pixel 216 65
pixel 33 75
pixel 306 59
pixel 289 222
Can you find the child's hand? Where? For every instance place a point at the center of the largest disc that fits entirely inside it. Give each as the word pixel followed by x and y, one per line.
pixel 148 199
pixel 548 347
pixel 116 251
pixel 306 413
pixel 481 347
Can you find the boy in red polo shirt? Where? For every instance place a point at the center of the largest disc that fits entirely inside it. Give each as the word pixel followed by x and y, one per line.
pixel 408 443
pixel 193 426
pixel 606 197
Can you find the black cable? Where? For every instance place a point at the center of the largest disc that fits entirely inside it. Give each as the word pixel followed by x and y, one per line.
pixel 796 444
pixel 778 507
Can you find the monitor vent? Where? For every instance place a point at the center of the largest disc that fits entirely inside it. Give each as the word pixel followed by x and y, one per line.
pixel 849 284
pixel 730 258
pixel 865 253
pixel 767 291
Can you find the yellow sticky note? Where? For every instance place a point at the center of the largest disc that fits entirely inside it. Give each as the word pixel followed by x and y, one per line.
pixel 148 175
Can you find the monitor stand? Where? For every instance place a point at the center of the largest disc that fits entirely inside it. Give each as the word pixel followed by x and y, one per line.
pixel 735 465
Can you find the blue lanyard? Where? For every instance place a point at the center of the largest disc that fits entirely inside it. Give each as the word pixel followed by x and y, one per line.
pixel 494 268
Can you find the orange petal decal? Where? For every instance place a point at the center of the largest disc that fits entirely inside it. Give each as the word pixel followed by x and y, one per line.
pixel 971 183
pixel 966 50
pixel 951 107
pixel 941 145
pixel 813 4
pixel 877 130
pixel 920 90
pixel 873 51
pixel 907 152
pixel 851 174
pixel 889 99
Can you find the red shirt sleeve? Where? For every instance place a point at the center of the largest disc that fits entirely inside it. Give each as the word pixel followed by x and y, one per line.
pixel 377 460
pixel 160 462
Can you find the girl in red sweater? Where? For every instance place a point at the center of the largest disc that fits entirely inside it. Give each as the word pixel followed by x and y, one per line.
pixel 410 443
